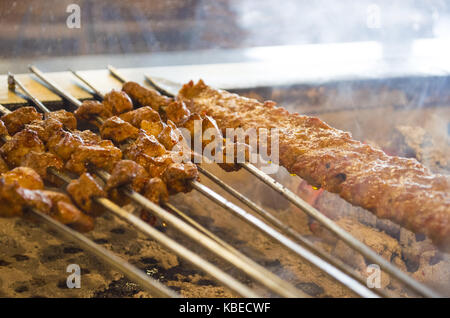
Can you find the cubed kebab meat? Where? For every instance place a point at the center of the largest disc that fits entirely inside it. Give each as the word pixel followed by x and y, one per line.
pixel 178 115
pixel 399 189
pixel 23 188
pixel 89 148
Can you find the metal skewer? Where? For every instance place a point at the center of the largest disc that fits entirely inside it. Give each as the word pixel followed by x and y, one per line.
pixel 153 286
pixel 346 237
pixel 255 271
pixel 342 274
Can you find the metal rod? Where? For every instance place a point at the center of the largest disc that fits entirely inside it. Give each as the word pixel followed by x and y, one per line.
pixel 287 230
pixel 88 84
pixel 341 233
pixel 263 276
pixel 55 86
pixel 294 247
pixel 180 250
pixel 116 74
pixel 351 241
pixel 12 81
pixel 266 278
pixel 160 89
pixel 153 286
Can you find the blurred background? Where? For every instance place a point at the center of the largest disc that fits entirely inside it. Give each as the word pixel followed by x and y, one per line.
pixel 174 32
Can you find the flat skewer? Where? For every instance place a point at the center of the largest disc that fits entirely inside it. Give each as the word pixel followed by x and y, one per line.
pixel 345 236
pixel 341 272
pixel 255 271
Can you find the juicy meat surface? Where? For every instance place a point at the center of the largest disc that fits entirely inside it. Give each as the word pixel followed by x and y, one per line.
pixel 118 130
pixel 25 178
pixel 66 118
pixel 127 172
pixel 117 102
pixel 83 190
pixel 64 144
pixel 144 96
pixel 16 120
pixel 3 129
pixel 135 117
pixel 14 199
pixel 45 128
pixel 177 176
pixel 90 109
pixel 103 157
pixel 3 166
pixel 64 211
pixel 395 188
pixel 15 149
pixel 152 128
pixel 146 145
pixel 41 161
pixel 177 112
pixel 169 135
pixel 156 191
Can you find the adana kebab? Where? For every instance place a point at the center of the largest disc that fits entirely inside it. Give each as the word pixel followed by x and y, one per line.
pixel 399 189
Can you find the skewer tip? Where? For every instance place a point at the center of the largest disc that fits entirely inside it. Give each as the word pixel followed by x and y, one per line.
pixel 11 82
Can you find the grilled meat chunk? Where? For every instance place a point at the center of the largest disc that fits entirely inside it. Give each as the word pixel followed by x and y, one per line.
pixel 90 110
pixel 399 189
pixel 3 166
pixel 118 130
pixel 135 117
pixel 66 118
pixel 127 172
pixel 41 161
pixel 103 157
pixel 89 138
pixel 152 128
pixel 177 112
pixel 165 133
pixel 117 102
pixel 24 177
pixel 3 129
pixel 15 149
pixel 177 177
pixel 145 145
pixel 156 191
pixel 144 96
pixel 64 211
pixel 16 120
pixel 83 190
pixel 45 128
pixel 169 135
pixel 64 144
pixel 14 199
